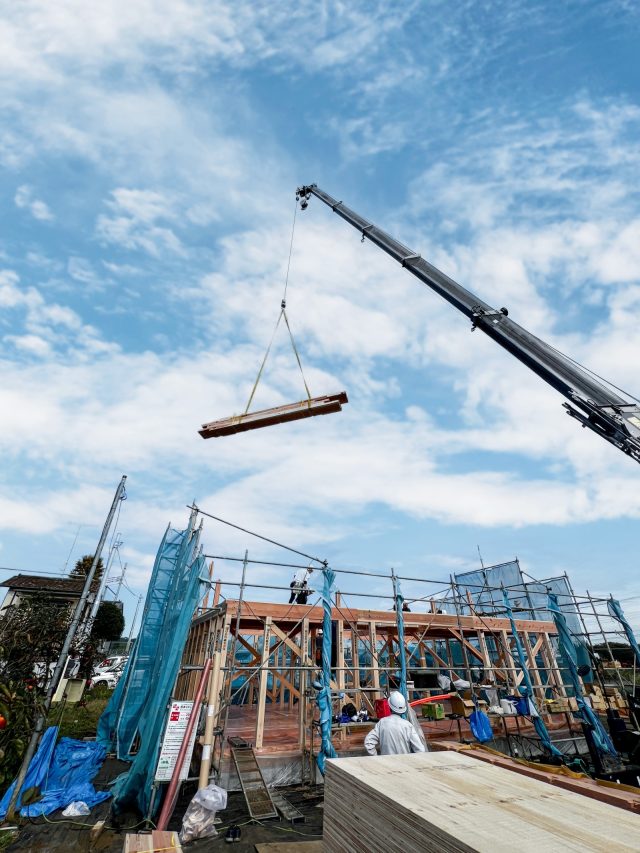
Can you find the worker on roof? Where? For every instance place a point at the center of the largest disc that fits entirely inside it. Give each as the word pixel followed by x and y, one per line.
pixel 299 587
pixel 393 735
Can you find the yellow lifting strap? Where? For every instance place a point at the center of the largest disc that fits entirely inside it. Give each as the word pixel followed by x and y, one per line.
pixel 283 313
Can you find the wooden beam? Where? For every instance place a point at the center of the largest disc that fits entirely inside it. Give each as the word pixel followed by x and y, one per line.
pixel 471 648
pixel 325 405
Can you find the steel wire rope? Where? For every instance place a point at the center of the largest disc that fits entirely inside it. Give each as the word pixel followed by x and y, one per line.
pixel 588 371
pixel 257 535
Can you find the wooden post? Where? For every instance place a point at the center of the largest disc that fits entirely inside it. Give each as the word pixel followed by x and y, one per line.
pixel 216 593
pixel 264 677
pixel 375 672
pixel 302 702
pixel 549 659
pixel 533 668
pixel 355 658
pixel 213 706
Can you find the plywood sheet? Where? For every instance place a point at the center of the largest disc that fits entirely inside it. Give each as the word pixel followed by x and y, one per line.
pixel 151 842
pixel 446 801
pixel 291 847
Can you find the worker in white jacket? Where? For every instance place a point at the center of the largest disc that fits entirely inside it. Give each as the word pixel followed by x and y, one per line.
pixel 393 735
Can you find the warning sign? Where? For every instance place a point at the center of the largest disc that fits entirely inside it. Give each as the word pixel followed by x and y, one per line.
pixel 179 714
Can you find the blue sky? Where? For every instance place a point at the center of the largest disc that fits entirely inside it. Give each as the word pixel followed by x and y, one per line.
pixel 150 154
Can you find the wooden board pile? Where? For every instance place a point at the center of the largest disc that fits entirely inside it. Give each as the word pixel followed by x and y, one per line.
pixel 152 842
pixel 441 801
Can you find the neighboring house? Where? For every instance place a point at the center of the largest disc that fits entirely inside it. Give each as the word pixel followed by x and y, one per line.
pixel 64 590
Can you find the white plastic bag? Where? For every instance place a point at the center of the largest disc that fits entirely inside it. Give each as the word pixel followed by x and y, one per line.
pixel 76 809
pixel 199 818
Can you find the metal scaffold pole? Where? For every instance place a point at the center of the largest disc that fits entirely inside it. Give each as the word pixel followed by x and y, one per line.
pixel 64 652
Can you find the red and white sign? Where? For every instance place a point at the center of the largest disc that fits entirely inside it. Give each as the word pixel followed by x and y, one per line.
pixel 179 714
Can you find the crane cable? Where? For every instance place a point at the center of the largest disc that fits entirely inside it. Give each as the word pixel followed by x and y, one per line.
pixel 281 315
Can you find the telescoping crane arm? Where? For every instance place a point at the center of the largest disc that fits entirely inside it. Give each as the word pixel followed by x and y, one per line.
pixel 592 402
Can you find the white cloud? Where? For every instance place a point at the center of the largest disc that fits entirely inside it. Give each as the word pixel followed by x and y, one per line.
pixel 25 201
pixel 47 324
pixel 132 222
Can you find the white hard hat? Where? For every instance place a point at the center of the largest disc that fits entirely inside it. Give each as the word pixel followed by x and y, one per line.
pixel 397 702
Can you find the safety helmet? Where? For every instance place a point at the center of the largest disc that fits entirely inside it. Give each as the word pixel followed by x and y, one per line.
pixel 397 702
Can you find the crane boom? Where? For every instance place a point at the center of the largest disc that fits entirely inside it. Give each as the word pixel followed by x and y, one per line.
pixel 592 402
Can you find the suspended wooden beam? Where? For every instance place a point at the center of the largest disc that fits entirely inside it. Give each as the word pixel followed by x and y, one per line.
pixel 279 415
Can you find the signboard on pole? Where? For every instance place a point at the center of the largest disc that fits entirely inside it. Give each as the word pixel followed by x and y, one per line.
pixel 179 714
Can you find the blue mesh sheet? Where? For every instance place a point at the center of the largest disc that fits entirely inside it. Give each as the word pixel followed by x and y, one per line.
pixel 136 712
pixel 484 588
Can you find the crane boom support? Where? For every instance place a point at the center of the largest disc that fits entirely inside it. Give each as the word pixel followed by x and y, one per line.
pixel 595 404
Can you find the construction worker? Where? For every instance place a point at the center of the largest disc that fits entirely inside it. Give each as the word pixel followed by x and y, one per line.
pixel 299 587
pixel 393 735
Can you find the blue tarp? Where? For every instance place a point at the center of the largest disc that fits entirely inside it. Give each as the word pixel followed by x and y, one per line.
pixel 568 652
pixel 527 691
pixel 63 773
pixel 480 726
pixel 616 611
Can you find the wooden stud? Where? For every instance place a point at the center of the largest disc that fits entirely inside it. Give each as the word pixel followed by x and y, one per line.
pixel 264 676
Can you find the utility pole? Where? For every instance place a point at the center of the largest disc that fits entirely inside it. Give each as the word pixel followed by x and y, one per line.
pixel 64 652
pixel 120 581
pixel 103 582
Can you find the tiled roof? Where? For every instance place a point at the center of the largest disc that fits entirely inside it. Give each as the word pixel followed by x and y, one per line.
pixel 36 583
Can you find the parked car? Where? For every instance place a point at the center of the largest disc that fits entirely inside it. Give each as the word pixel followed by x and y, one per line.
pixel 105 679
pixel 109 665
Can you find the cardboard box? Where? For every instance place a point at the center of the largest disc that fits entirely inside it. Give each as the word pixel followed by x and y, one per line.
pixel 462 707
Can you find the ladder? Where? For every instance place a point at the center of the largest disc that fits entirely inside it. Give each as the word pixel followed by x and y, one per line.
pixel 254 788
pixel 287 810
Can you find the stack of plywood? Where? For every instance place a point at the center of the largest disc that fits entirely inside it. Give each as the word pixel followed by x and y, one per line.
pixel 442 801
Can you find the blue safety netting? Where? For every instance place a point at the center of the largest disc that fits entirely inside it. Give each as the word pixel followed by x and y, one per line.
pixel 616 611
pixel 63 773
pixel 323 682
pixel 568 652
pixel 527 599
pixel 137 710
pixel 484 588
pixel 527 691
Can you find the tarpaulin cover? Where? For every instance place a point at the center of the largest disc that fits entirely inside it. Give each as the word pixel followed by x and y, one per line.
pixel 323 685
pixel 37 769
pixel 171 601
pixel 64 778
pixel 480 726
pixel 568 652
pixel 527 691
pixel 616 611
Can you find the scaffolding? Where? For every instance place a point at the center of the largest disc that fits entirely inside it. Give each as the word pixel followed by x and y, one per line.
pixel 270 655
